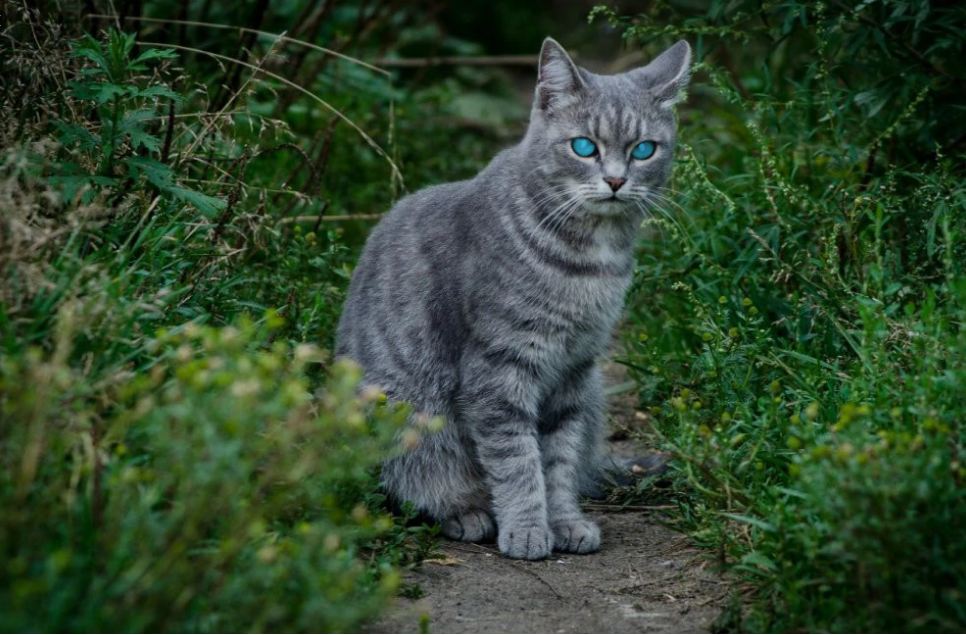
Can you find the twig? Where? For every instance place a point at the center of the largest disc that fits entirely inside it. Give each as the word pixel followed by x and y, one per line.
pixel 331 219
pixel 465 547
pixel 537 576
pixel 321 216
pixel 626 508
pixel 482 60
pixel 169 133
pixel 280 38
pixel 365 137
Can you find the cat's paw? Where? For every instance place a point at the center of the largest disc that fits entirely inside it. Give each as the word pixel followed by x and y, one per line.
pixel 528 542
pixel 474 525
pixel 576 536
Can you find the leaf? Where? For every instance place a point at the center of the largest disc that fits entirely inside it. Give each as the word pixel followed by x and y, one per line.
pixel 72 184
pixel 75 134
pixel 444 561
pixel 756 522
pixel 207 205
pixel 82 90
pixel 106 92
pixel 155 54
pixel 872 101
pixel 759 559
pixel 89 48
pixel 160 91
pixel 132 124
pixel 158 174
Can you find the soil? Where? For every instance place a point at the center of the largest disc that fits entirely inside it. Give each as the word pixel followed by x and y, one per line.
pixel 646 578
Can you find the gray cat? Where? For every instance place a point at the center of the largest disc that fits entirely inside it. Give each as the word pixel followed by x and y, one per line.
pixel 488 302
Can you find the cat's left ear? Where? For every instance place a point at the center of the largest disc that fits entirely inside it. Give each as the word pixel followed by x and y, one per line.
pixel 558 80
pixel 667 76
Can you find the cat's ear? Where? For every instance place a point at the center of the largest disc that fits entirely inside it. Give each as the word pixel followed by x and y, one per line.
pixel 667 76
pixel 558 79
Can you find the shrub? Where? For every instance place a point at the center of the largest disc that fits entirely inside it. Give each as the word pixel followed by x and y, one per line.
pixel 796 318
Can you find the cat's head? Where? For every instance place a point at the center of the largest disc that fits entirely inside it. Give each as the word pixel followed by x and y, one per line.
pixel 604 143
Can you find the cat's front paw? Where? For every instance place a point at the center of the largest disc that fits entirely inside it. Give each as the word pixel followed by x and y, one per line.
pixel 576 536
pixel 528 542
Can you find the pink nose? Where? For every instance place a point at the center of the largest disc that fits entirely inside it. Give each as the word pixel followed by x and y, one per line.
pixel 614 183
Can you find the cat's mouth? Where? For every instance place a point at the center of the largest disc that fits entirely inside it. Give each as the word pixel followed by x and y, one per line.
pixel 610 199
pixel 609 205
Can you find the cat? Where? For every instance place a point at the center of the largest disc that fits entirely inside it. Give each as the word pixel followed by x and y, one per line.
pixel 487 302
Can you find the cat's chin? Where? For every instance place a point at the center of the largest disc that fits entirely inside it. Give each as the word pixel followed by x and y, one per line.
pixel 609 206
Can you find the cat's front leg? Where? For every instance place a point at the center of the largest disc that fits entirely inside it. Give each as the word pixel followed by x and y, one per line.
pixel 570 436
pixel 502 414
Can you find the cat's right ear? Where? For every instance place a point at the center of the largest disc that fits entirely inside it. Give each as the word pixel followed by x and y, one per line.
pixel 558 81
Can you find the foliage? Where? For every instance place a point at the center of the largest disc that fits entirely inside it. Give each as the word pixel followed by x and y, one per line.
pixel 797 315
pixel 167 461
pixel 212 492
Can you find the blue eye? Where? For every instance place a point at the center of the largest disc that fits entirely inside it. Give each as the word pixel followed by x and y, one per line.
pixel 583 147
pixel 644 150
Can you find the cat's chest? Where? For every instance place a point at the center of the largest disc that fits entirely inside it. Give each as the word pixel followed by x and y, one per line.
pixel 592 307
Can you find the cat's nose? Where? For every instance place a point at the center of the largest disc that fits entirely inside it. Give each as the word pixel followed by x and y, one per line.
pixel 614 182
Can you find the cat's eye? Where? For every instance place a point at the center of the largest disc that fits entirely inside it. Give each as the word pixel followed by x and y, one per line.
pixel 644 150
pixel 583 147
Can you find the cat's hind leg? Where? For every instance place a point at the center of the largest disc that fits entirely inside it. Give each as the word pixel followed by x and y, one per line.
pixel 442 482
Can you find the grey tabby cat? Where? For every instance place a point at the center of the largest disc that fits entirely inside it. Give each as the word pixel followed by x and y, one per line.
pixel 488 301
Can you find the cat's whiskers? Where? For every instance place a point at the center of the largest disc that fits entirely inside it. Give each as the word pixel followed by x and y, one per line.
pixel 654 201
pixel 666 199
pixel 687 196
pixel 560 209
pixel 550 194
pixel 583 195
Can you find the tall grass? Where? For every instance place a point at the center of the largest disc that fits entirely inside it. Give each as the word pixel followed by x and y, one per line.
pixel 797 315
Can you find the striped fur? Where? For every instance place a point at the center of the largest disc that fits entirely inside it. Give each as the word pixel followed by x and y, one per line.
pixel 488 302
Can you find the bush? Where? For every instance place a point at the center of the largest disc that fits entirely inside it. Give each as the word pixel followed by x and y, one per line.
pixel 209 492
pixel 796 318
pixel 167 460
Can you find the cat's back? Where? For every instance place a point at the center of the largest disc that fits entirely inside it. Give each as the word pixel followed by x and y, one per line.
pixel 401 317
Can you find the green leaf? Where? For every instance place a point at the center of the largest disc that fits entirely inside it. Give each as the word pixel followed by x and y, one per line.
pixel 155 54
pixel 872 101
pixel 160 91
pixel 759 559
pixel 132 124
pixel 73 184
pixel 89 48
pixel 106 92
pixel 756 522
pixel 157 173
pixel 76 134
pixel 207 205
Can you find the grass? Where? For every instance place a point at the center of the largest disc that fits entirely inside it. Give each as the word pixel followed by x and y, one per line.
pixel 796 318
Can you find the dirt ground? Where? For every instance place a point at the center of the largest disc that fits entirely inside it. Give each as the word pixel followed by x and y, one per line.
pixel 646 578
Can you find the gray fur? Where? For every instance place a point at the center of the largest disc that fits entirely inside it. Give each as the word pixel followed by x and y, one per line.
pixel 488 302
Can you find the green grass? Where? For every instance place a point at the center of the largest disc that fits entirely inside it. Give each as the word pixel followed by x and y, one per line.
pixel 796 319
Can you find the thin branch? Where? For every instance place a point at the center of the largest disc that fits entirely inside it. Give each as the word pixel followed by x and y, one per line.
pixel 331 219
pixel 483 60
pixel 281 38
pixel 369 140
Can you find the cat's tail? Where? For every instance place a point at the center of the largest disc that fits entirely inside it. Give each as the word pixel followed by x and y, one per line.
pixel 622 472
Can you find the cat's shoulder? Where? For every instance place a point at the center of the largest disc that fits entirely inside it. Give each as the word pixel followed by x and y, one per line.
pixel 453 196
